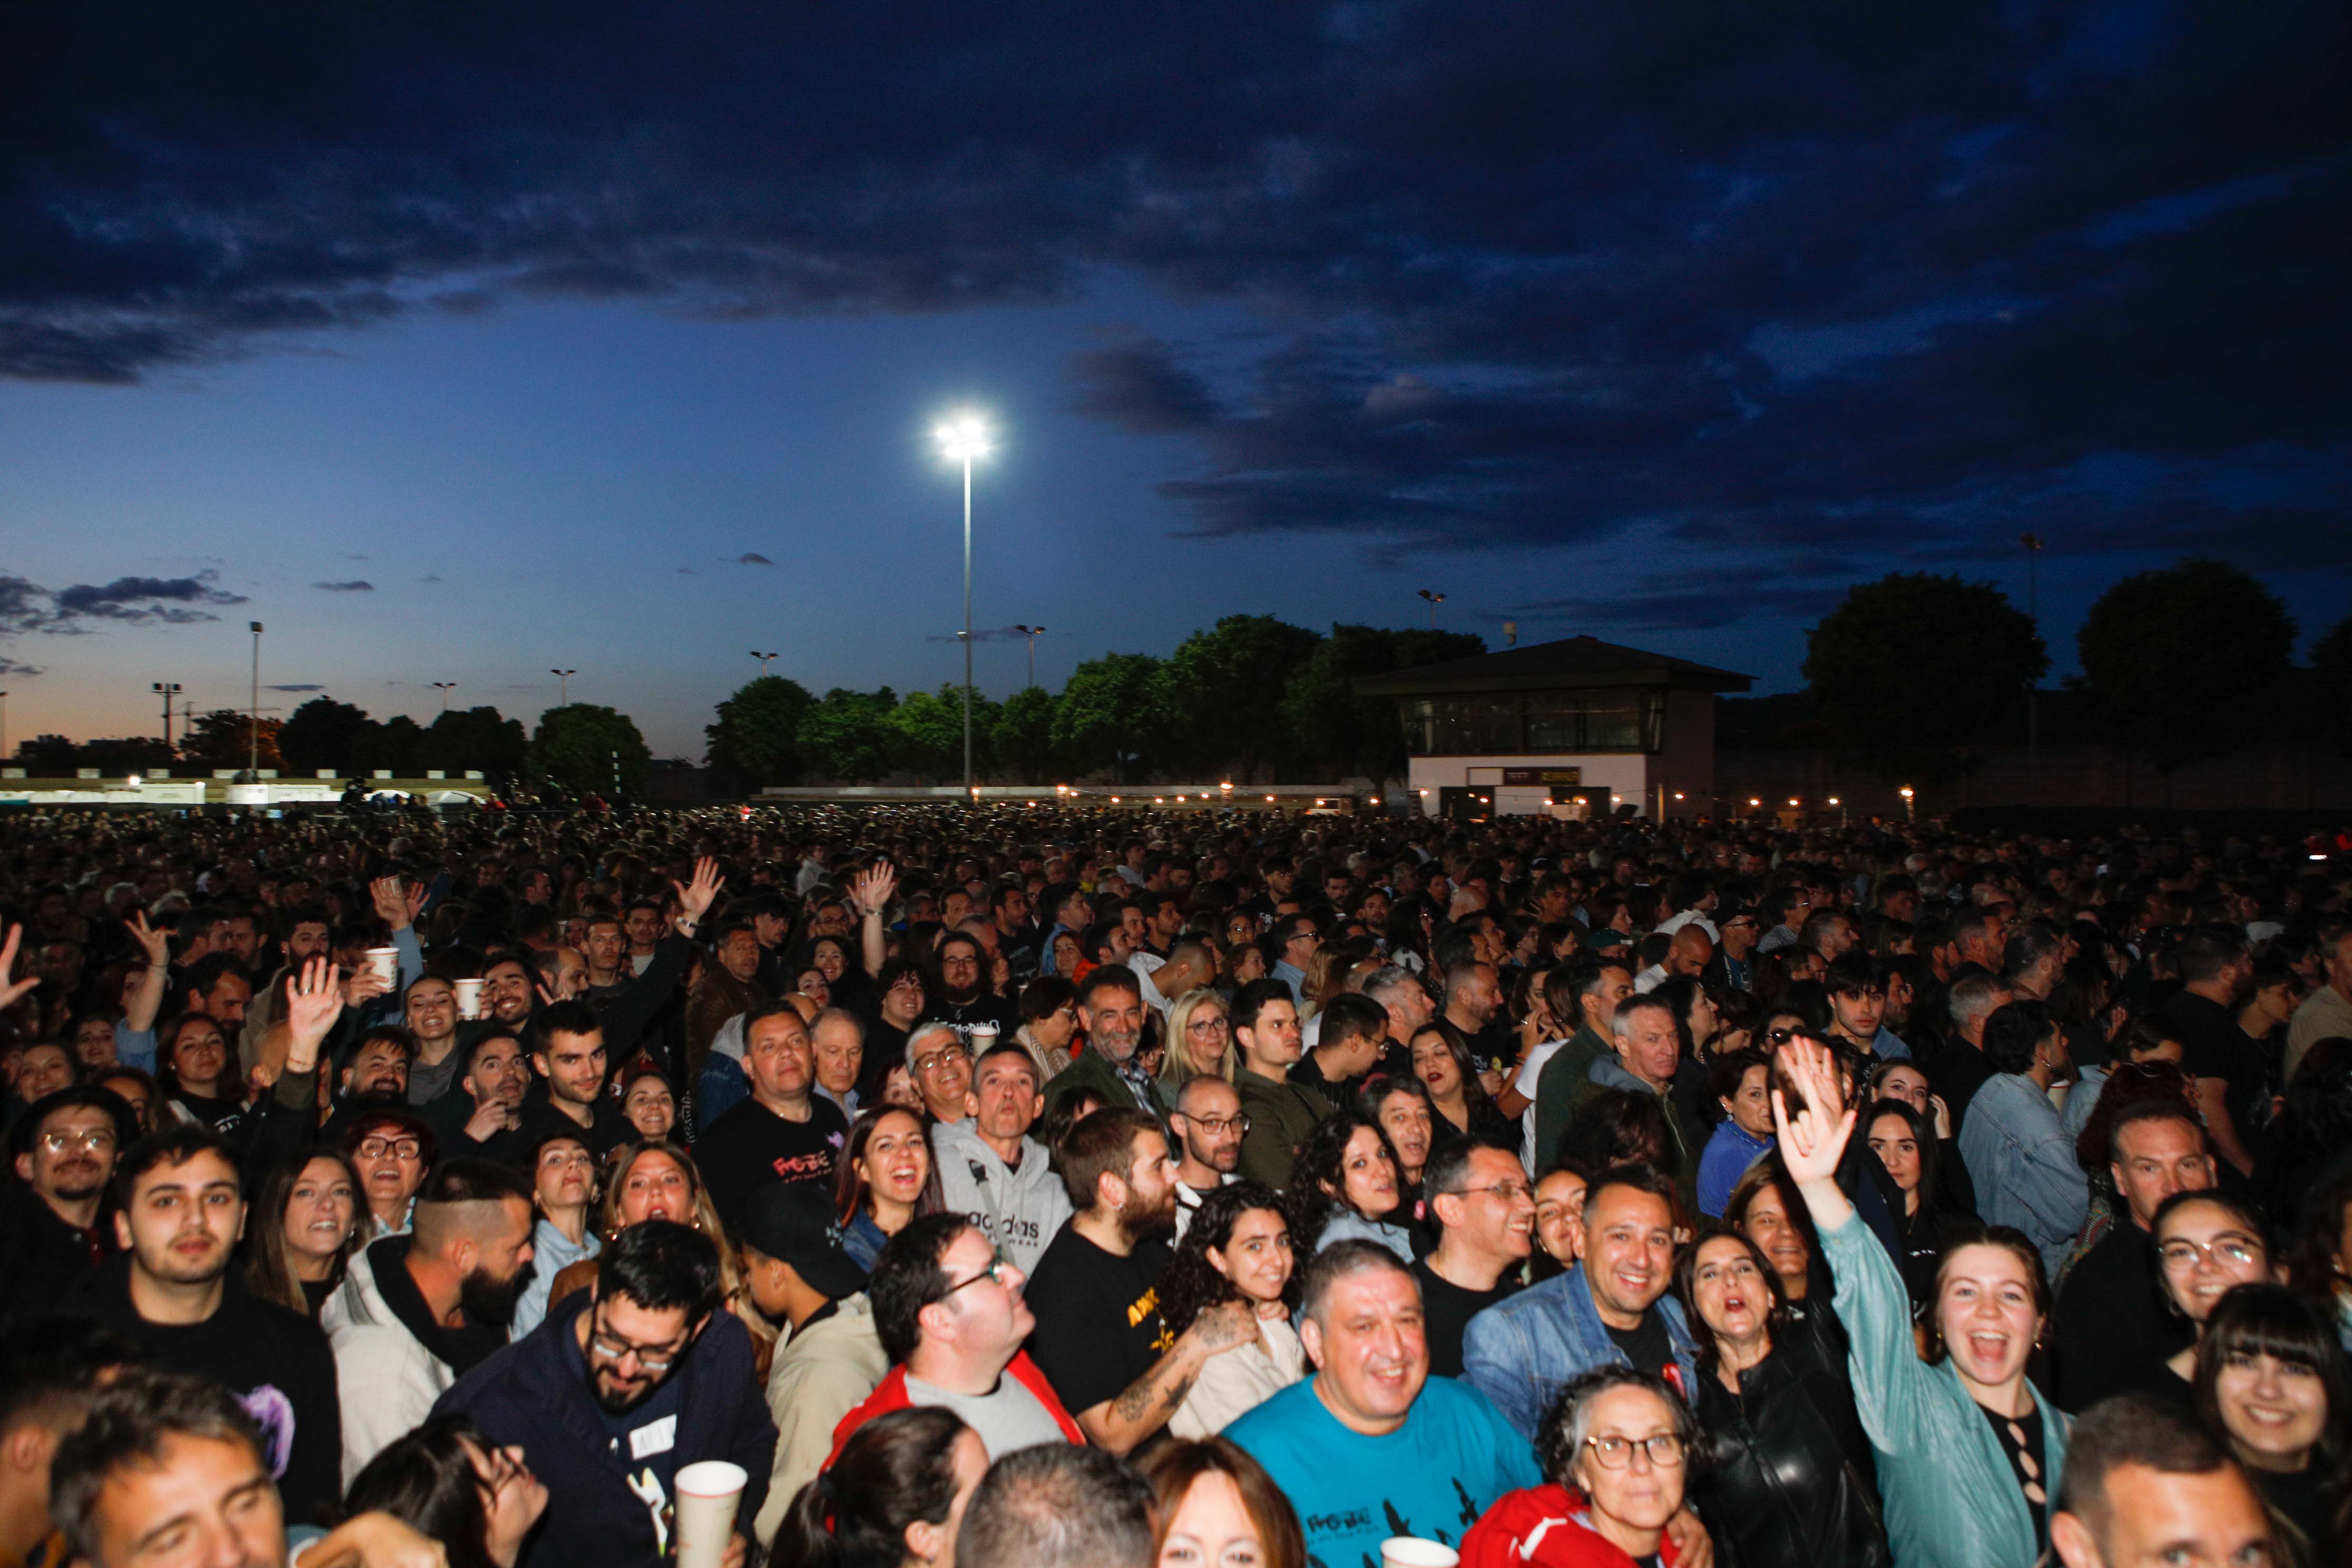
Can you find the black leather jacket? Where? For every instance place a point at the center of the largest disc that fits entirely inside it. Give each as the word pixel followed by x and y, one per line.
pixel 1787 1479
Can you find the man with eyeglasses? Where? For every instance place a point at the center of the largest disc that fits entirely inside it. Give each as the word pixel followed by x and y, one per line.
pixel 951 1312
pixel 623 1385
pixel 990 1171
pixel 1208 1127
pixel 939 1063
pixel 176 1295
pixel 51 1233
pixel 964 997
pixel 787 1132
pixel 1288 946
pixel 1484 1211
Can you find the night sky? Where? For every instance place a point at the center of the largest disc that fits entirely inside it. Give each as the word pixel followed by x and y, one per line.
pixel 460 342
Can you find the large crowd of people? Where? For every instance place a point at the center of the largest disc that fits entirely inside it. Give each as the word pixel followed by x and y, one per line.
pixel 1022 1188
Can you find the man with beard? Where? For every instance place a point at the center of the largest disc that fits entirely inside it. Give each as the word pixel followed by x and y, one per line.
pixel 623 1385
pixel 495 1082
pixel 964 998
pixel 1099 1338
pixel 63 1148
pixel 178 1298
pixel 1110 1007
pixel 415 1313
pixel 1208 1124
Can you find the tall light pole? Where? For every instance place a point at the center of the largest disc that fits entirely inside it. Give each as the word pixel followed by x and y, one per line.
pixel 4 726
pixel 166 690
pixel 253 754
pixel 444 688
pixel 1434 600
pixel 964 437
pixel 765 660
pixel 2032 542
pixel 564 686
pixel 1032 633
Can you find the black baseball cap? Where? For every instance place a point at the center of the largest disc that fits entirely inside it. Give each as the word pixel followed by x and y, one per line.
pixel 795 1224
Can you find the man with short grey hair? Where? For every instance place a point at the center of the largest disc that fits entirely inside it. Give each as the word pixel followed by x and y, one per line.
pixel 1057 1505
pixel 1371 1446
pixel 939 1063
pixel 1961 1070
pixel 1405 998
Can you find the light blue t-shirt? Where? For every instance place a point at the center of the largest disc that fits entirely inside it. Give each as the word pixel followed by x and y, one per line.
pixel 1431 1478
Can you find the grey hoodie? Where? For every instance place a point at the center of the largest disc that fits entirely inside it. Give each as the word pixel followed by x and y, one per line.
pixel 1020 1209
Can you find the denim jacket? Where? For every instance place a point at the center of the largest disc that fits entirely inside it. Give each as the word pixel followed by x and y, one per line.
pixel 2022 1163
pixel 1952 1498
pixel 1521 1351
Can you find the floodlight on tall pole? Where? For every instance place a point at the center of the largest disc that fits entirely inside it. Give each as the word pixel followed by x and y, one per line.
pixel 253 756
pixel 562 686
pixel 1032 633
pixel 2032 542
pixel 765 660
pixel 1435 599
pixel 964 438
pixel 4 724
pixel 444 688
pixel 166 690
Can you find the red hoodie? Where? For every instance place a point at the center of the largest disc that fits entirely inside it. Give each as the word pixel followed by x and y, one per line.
pixel 890 1394
pixel 1545 1527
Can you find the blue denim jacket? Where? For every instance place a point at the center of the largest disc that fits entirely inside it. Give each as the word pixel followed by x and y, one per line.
pixel 1521 1351
pixel 2022 1163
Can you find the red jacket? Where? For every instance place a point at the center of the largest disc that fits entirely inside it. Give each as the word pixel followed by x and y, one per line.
pixel 891 1394
pixel 1545 1527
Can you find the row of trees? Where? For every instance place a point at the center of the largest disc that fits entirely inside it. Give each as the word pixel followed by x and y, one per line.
pixel 1247 699
pixel 2194 661
pixel 582 747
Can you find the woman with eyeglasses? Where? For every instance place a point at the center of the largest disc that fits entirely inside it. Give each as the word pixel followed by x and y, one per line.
pixel 1236 1248
pixel 391 1149
pixel 1200 1040
pixel 1617 1448
pixel 2207 1244
pixel 1788 1479
pixel 885 1177
pixel 448 1482
pixel 308 1228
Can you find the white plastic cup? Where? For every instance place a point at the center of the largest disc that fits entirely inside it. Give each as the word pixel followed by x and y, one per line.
pixel 386 961
pixel 1411 1552
pixel 983 1035
pixel 709 1494
pixel 470 999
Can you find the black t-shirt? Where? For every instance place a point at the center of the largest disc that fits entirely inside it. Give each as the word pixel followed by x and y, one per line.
pixel 1098 1323
pixel 2212 1046
pixel 985 1007
pixel 885 1046
pixel 276 1362
pixel 751 1146
pixel 1446 1310
pixel 1647 1344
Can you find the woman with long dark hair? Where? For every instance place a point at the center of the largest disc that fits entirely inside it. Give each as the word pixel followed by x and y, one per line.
pixel 884 1177
pixel 1236 1248
pixel 448 1480
pixel 307 1229
pixel 1789 1475
pixel 2273 1382
pixel 893 1498
pixel 1441 1060
pixel 1907 1149
pixel 1345 1186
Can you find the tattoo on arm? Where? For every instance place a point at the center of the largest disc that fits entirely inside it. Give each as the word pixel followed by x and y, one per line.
pixel 1133 1400
pixel 1175 1395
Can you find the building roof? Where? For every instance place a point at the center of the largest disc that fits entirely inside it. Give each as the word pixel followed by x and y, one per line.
pixel 1570 663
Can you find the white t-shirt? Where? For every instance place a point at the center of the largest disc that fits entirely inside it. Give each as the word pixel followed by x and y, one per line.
pixel 1531 1074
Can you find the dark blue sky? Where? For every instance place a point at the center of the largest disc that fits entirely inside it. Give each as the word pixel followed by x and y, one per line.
pixel 457 347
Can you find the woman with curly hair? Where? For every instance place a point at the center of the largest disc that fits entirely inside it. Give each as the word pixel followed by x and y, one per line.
pixel 1345 1187
pixel 1236 1248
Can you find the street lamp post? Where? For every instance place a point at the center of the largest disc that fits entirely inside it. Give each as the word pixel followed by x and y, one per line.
pixel 166 690
pixel 562 686
pixel 1434 600
pixel 2032 542
pixel 964 438
pixel 1910 804
pixel 1032 633
pixel 765 660
pixel 4 725
pixel 253 755
pixel 444 688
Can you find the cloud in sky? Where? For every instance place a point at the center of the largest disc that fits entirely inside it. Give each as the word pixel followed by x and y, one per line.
pixel 1907 278
pixel 753 558
pixel 26 607
pixel 356 586
pixel 307 686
